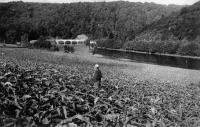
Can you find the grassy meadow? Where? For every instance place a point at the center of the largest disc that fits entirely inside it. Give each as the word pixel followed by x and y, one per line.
pixel 42 88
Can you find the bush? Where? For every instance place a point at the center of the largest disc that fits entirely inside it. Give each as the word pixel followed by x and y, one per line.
pixel 109 43
pixel 68 48
pixel 167 46
pixel 189 48
pixel 170 46
pixel 54 48
pixel 87 42
pixel 42 43
pixel 128 45
pixel 143 46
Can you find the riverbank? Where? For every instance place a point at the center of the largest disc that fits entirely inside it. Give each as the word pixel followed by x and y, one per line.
pixel 158 54
pixel 134 70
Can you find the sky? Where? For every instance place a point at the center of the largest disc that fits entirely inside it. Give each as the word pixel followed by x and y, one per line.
pixel 178 2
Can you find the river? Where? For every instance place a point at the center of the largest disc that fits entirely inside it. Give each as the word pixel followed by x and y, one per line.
pixel 173 61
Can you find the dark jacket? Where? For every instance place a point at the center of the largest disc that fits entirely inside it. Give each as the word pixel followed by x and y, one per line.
pixel 97 75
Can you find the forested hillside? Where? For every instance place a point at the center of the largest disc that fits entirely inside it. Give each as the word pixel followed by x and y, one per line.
pixel 182 25
pixel 117 21
pixel 178 33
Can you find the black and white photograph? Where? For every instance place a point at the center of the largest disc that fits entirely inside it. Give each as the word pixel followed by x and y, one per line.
pixel 99 63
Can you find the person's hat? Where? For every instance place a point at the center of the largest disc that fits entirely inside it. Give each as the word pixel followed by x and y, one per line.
pixel 96 66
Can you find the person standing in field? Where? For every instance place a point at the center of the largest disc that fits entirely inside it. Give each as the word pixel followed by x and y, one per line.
pixel 97 76
pixel 94 50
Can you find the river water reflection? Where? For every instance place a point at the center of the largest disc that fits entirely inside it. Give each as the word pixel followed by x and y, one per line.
pixel 188 63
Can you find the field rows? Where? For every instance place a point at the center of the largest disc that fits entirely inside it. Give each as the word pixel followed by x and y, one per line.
pixel 40 90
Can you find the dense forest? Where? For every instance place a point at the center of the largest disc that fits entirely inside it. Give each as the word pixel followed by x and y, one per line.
pixel 178 33
pixel 116 22
pixel 147 27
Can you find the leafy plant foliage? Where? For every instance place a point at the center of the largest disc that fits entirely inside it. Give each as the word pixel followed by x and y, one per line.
pixel 46 94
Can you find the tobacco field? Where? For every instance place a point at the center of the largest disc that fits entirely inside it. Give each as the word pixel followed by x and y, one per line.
pixel 37 90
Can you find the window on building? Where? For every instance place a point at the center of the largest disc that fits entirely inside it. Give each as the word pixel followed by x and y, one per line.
pixel 61 42
pixel 67 42
pixel 74 42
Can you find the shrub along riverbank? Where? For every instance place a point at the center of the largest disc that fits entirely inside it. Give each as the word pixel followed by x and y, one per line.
pixel 179 47
pixel 35 91
pixel 141 52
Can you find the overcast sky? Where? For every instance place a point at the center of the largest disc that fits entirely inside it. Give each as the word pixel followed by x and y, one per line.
pixel 179 2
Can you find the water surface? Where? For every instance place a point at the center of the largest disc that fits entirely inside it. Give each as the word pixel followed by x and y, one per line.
pixel 187 63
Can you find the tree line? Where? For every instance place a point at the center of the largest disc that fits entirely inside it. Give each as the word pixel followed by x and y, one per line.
pixel 119 21
pixel 138 26
pixel 177 33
